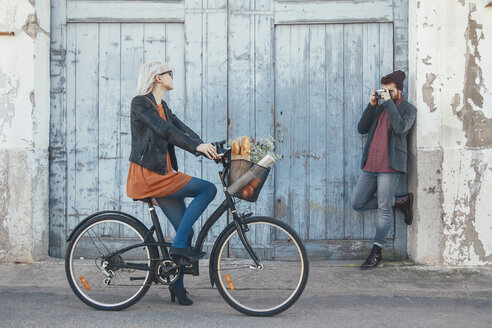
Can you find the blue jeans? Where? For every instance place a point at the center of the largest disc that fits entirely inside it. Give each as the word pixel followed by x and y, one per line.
pixel 376 190
pixel 181 217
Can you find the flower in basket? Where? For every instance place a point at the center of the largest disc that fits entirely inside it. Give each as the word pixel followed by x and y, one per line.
pixel 261 147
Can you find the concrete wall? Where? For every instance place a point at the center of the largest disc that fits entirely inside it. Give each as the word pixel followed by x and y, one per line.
pixel 450 82
pixel 24 129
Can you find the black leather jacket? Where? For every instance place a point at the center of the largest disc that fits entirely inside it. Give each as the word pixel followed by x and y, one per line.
pixel 153 137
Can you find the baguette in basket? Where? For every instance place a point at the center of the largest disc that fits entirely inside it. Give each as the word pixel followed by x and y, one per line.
pixel 240 151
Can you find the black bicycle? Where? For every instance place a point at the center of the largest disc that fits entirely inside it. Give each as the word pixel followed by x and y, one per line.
pixel 258 264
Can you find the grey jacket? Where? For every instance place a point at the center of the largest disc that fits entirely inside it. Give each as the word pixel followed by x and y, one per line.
pixel 401 119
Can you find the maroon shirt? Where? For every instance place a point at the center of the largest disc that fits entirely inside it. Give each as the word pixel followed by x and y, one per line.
pixel 377 161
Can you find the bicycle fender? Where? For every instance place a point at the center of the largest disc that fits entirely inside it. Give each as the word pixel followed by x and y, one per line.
pixel 214 248
pixel 81 223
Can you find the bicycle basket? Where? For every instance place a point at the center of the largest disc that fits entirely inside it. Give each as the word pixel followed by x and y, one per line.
pixel 245 179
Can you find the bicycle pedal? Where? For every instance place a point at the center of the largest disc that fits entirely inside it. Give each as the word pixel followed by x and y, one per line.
pixel 184 261
pixel 180 260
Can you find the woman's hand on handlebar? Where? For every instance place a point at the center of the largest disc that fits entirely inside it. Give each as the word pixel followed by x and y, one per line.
pixel 208 150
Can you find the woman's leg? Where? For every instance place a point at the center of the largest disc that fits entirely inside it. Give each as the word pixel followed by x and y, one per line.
pixel 174 209
pixel 203 193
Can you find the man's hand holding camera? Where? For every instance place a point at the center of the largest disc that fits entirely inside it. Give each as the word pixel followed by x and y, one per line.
pixel 379 94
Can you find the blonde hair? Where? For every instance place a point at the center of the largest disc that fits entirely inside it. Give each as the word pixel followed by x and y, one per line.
pixel 146 76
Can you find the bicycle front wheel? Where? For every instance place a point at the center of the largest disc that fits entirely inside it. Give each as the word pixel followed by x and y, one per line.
pixel 274 285
pixel 102 281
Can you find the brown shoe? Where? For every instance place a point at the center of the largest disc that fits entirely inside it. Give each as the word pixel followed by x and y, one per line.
pixel 374 259
pixel 404 203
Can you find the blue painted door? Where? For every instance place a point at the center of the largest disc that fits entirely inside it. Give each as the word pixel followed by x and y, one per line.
pixel 324 74
pixel 297 70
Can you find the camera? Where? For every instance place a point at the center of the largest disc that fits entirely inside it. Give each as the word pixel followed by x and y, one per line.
pixel 377 93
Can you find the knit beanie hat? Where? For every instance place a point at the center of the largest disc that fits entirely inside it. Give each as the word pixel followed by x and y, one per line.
pixel 398 77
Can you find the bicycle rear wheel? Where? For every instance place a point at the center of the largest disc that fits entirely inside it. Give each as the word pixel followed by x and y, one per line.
pixel 277 283
pixel 99 281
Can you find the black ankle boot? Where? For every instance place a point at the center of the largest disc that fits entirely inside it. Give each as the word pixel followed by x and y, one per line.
pixel 374 259
pixel 404 203
pixel 181 294
pixel 188 253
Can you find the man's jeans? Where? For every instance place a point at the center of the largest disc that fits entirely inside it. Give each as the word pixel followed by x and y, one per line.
pixel 376 190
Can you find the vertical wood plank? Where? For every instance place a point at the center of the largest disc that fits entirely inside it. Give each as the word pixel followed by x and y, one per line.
pixel 58 146
pixel 264 102
pixel 87 118
pixel 386 66
pixel 353 108
pixel 194 34
pixel 317 133
pixel 370 69
pixel 155 43
pixel 282 183
pixel 386 60
pixel 300 120
pixel 241 75
pixel 214 115
pixel 334 133
pixel 175 58
pixel 73 216
pixel 110 180
pixel 400 17
pixel 132 53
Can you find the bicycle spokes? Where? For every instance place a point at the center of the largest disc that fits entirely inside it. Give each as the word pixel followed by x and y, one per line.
pixel 102 278
pixel 270 286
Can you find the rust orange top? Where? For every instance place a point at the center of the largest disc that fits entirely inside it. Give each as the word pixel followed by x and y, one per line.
pixel 142 183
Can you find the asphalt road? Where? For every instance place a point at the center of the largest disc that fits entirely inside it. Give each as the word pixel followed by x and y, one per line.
pixel 338 294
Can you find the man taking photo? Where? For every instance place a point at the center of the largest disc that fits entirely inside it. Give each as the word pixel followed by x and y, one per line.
pixel 387 120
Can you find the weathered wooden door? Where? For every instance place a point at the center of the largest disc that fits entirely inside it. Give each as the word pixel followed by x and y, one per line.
pixel 297 70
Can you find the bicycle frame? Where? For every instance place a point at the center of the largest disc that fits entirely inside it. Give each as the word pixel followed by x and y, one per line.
pixel 227 204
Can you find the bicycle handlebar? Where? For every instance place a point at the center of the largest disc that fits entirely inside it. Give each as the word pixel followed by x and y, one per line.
pixel 220 150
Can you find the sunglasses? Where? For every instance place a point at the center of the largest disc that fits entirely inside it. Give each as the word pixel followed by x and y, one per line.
pixel 170 72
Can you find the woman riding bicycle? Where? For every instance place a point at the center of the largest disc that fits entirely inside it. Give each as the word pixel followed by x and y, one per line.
pixel 153 169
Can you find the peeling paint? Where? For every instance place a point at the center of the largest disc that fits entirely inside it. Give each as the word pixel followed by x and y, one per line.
pixel 463 244
pixel 32 28
pixel 280 209
pixel 455 102
pixel 325 209
pixel 9 86
pixel 4 207
pixel 33 2
pixel 33 102
pixel 477 127
pixel 428 90
pixel 426 60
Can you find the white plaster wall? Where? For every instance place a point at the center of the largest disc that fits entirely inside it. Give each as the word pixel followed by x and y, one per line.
pixel 451 80
pixel 24 129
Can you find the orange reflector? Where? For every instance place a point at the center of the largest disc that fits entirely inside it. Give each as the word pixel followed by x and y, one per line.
pixel 84 282
pixel 229 282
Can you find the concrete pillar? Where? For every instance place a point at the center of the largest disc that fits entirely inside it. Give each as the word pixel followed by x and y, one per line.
pixel 24 130
pixel 450 82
